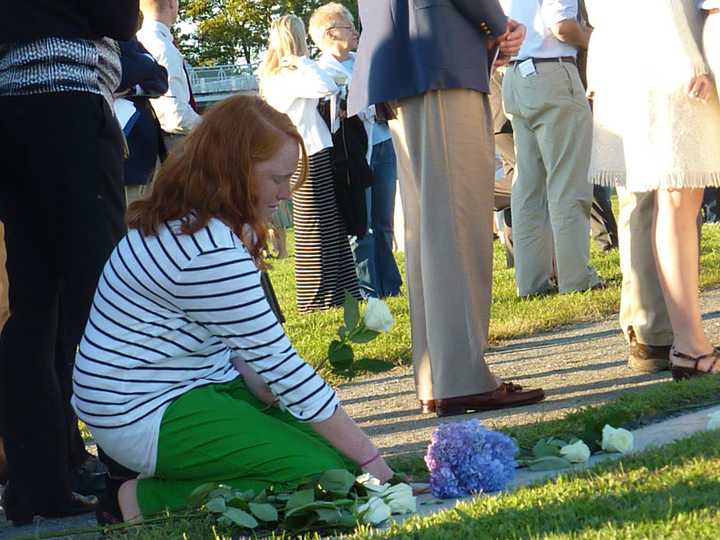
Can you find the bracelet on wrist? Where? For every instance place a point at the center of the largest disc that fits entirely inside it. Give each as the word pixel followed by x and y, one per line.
pixel 369 461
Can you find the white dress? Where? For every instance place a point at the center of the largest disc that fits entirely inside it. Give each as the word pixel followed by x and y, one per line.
pixel 648 133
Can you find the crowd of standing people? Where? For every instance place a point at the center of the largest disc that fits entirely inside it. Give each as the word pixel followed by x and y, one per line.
pixel 157 326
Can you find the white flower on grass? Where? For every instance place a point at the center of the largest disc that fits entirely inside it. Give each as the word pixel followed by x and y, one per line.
pixel 714 420
pixel 617 440
pixel 578 452
pixel 371 483
pixel 400 499
pixel 374 511
pixel 377 316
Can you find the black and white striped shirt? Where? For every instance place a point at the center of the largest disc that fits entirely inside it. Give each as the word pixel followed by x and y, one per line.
pixel 169 313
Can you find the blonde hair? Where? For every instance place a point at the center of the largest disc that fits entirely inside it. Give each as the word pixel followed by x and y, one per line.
pixel 287 37
pixel 323 18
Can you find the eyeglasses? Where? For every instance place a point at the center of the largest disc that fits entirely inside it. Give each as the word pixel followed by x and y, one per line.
pixel 340 28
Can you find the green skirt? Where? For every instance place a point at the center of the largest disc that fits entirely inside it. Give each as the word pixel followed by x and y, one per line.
pixel 219 433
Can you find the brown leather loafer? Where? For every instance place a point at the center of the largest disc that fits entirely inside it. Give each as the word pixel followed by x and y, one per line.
pixel 506 395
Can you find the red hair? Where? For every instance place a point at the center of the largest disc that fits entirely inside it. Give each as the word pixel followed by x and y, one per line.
pixel 210 172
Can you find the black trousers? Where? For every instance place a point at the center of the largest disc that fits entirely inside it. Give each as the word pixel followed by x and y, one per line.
pixel 62 203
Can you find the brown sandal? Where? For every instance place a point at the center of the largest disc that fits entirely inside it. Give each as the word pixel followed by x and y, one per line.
pixel 683 372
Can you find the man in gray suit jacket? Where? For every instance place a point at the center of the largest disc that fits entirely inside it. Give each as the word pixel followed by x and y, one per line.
pixel 430 60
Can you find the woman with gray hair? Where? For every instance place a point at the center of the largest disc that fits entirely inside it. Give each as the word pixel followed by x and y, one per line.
pixel 332 29
pixel 292 83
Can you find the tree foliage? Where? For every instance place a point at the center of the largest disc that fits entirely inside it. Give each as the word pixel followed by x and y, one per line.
pixel 235 31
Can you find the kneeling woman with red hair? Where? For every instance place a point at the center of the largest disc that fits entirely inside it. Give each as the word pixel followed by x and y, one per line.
pixel 185 374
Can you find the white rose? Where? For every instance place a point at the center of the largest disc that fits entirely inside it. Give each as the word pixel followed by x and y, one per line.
pixel 617 440
pixel 578 452
pixel 377 316
pixel 371 483
pixel 374 511
pixel 714 420
pixel 400 499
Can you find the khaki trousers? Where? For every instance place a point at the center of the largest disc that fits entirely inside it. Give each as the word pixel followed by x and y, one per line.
pixel 444 145
pixel 551 195
pixel 4 284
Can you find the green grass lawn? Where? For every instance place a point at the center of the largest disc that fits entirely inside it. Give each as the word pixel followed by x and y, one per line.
pixel 670 492
pixel 510 316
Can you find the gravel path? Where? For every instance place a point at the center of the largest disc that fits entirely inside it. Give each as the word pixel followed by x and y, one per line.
pixel 577 366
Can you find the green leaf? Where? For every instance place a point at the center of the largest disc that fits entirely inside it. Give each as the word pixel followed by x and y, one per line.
pixel 243 519
pixel 548 463
pixel 216 505
pixel 300 498
pixel 330 516
pixel 352 311
pixel 546 448
pixel 337 481
pixel 364 335
pixel 340 355
pixel 238 502
pixel 201 492
pixel 341 333
pixel 264 512
pixel 310 508
pixel 373 365
pixel 221 491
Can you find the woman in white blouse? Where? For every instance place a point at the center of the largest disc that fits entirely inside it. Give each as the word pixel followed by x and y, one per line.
pixel 657 130
pixel 292 83
pixel 183 360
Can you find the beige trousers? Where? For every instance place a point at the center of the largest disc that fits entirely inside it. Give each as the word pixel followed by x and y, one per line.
pixel 4 285
pixel 551 195
pixel 444 145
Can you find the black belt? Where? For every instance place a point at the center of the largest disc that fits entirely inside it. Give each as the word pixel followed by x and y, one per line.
pixel 569 59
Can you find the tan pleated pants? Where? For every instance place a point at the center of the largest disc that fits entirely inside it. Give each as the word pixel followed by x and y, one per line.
pixel 444 145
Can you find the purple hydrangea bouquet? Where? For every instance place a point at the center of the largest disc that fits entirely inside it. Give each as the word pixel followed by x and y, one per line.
pixel 465 458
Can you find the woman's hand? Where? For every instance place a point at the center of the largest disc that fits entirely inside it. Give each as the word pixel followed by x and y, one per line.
pixel 700 88
pixel 255 383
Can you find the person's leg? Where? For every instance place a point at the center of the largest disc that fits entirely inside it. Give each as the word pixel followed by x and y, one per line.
pixel 4 300
pixel 453 169
pixel 4 314
pixel 676 255
pixel 643 316
pixel 404 131
pixel 32 207
pixel 384 167
pixel 532 235
pixel 564 133
pixel 221 433
pixel 603 227
pixel 363 250
pixel 89 234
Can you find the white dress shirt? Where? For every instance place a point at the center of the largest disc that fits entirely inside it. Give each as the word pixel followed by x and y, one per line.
pixel 539 16
pixel 173 108
pixel 296 92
